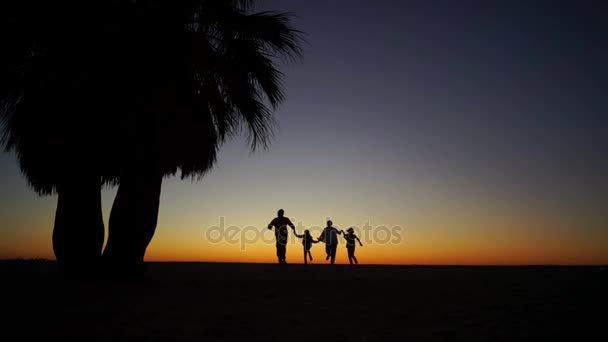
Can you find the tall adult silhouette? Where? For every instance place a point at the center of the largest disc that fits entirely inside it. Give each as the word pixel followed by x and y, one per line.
pixel 280 224
pixel 329 235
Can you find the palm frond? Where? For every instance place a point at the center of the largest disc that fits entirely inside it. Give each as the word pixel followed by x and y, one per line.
pixel 160 83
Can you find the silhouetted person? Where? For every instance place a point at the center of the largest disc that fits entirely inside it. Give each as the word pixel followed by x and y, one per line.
pixel 280 224
pixel 329 235
pixel 350 244
pixel 307 242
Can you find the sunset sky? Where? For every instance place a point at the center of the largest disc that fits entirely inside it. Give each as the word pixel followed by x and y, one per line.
pixel 475 131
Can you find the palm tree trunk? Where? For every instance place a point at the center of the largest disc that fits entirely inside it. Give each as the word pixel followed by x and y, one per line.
pixel 78 231
pixel 132 222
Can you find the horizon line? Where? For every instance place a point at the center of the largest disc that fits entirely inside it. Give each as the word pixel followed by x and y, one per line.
pixel 361 264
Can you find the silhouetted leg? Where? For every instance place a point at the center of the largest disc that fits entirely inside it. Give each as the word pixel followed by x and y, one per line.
pixel 281 251
pixel 327 251
pixel 284 251
pixel 133 221
pixel 278 252
pixel 78 230
pixel 284 254
pixel 305 261
pixel 279 257
pixel 310 255
pixel 333 253
pixel 351 252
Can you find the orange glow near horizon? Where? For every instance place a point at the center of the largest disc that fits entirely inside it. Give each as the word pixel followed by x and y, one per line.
pixel 181 251
pixel 171 245
pixel 471 232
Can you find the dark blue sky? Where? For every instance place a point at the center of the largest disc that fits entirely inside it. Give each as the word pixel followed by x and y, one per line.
pixel 498 91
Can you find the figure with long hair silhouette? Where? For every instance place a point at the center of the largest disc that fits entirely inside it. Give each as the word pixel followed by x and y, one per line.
pixel 350 244
pixel 280 224
pixel 329 235
pixel 307 241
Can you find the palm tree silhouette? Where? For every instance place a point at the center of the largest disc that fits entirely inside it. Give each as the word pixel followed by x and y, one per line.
pixel 52 82
pixel 155 88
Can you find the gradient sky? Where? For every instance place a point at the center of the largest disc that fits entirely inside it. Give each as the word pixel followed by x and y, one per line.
pixel 479 128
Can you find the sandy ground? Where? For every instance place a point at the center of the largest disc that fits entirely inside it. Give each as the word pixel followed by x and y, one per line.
pixel 238 302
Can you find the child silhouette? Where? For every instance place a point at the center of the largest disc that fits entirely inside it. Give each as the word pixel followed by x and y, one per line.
pixel 307 242
pixel 350 244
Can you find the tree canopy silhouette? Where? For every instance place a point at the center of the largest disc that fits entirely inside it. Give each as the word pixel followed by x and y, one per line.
pixel 126 93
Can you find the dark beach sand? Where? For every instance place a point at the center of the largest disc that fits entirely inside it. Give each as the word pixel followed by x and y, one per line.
pixel 242 302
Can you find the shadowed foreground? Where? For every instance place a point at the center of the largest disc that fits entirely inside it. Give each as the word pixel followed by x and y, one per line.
pixel 203 302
